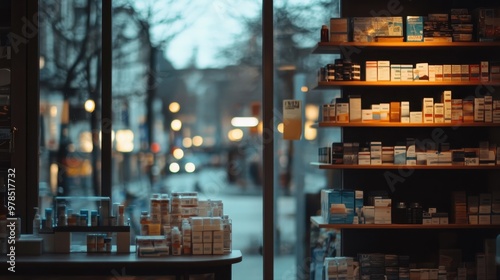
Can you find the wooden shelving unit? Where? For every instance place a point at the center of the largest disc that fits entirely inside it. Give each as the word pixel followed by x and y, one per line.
pixel 397 124
pixel 337 84
pixel 319 222
pixel 401 166
pixel 339 47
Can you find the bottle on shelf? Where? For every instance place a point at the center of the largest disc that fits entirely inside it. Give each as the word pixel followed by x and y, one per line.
pixel 36 222
pixel 145 222
pixel 325 36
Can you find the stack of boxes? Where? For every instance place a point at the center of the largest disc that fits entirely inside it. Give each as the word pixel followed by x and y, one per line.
pixel 339 268
pixel 188 226
pixel 207 236
pixel 461 24
pixel 384 266
pixel 484 209
pixel 437 28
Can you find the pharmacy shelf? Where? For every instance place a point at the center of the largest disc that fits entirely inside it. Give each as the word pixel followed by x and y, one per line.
pixel 348 47
pixel 339 84
pixel 395 166
pixel 319 222
pixel 398 124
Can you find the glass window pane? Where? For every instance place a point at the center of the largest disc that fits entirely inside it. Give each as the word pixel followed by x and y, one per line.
pixel 182 71
pixel 297 27
pixel 70 98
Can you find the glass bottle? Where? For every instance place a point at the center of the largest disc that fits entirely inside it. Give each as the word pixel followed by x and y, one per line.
pixel 36 222
pixel 228 241
pixel 325 37
pixel 144 223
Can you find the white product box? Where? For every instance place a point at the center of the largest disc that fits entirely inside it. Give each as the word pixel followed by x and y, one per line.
pixel 446 100
pixel 371 71
pixel 428 110
pixel 369 214
pixel 395 73
pixel 366 115
pixel 415 117
pixel 406 72
pixel 376 112
pixel 479 109
pixel 385 109
pixel 375 153
pixel 421 72
pixel 197 237
pixel 218 236
pixel 382 215
pixel 456 72
pixel 354 108
pixel 197 249
pixel 421 158
pixel 438 113
pixel 405 111
pixel 432 73
pixel 439 72
pixel 447 72
pixel 207 236
pixel 383 70
pixel 207 248
pixel 218 248
pixel 364 158
pixel 464 72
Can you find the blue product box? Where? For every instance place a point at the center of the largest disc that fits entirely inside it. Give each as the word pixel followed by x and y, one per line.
pixel 414 29
pixel 333 196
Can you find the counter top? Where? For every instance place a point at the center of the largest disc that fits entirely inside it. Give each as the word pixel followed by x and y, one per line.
pixel 106 263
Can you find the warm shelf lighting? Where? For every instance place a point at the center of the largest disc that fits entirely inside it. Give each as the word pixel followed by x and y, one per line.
pixel 304 89
pixel 244 122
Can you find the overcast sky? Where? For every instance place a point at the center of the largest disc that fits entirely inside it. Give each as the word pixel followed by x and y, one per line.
pixel 216 27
